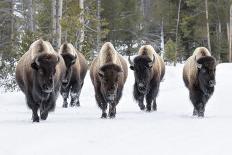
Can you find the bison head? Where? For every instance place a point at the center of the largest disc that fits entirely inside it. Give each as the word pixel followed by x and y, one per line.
pixel 44 66
pixel 142 66
pixel 109 75
pixel 69 60
pixel 206 74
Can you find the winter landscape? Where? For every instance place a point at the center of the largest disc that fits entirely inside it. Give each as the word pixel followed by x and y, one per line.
pixel 170 130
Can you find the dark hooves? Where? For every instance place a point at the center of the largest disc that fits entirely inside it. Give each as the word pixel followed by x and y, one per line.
pixel 104 115
pixel 148 108
pixel 195 113
pixel 35 119
pixel 154 108
pixel 65 105
pixel 78 104
pixel 44 115
pixel 201 114
pixel 142 107
pixel 112 115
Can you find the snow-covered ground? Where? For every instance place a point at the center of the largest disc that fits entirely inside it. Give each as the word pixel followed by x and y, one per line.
pixel 170 130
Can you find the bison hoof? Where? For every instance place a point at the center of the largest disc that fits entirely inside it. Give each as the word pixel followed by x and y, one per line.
pixel 154 108
pixel 142 106
pixel 65 105
pixel 148 108
pixel 35 119
pixel 78 104
pixel 112 115
pixel 195 112
pixel 104 115
pixel 44 115
pixel 201 114
pixel 72 104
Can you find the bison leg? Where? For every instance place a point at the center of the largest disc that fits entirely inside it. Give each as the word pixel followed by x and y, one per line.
pixel 139 97
pixel 35 117
pixel 75 94
pixel 201 108
pixel 78 97
pixel 112 110
pixel 141 105
pixel 65 92
pixel 151 96
pixel 198 102
pixel 195 112
pixel 34 107
pixel 104 107
pixel 47 106
pixel 154 106
pixel 148 100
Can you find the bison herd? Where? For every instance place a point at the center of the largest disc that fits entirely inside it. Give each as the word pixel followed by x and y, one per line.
pixel 42 73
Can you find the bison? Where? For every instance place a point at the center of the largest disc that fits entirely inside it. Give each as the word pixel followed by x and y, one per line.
pixel 38 74
pixel 76 68
pixel 199 78
pixel 149 70
pixel 108 74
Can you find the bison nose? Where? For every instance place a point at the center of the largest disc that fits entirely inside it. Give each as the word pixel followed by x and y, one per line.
pixel 47 89
pixel 65 81
pixel 212 83
pixel 141 85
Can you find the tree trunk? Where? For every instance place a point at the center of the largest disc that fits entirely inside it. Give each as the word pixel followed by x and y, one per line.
pixel 58 20
pixel 219 40
pixel 207 24
pixel 98 25
pixel 57 15
pixel 12 23
pixel 31 16
pixel 82 21
pixel 177 28
pixel 54 41
pixel 230 32
pixel 162 39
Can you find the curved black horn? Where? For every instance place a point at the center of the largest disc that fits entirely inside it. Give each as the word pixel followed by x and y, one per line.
pixel 131 62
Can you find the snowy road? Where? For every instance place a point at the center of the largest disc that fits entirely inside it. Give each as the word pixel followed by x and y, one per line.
pixel 170 130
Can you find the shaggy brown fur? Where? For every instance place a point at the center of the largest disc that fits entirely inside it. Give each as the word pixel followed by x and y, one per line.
pixel 77 66
pixel 108 73
pixel 38 74
pixel 149 70
pixel 199 78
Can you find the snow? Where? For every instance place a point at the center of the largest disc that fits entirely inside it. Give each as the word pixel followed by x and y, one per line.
pixel 170 130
